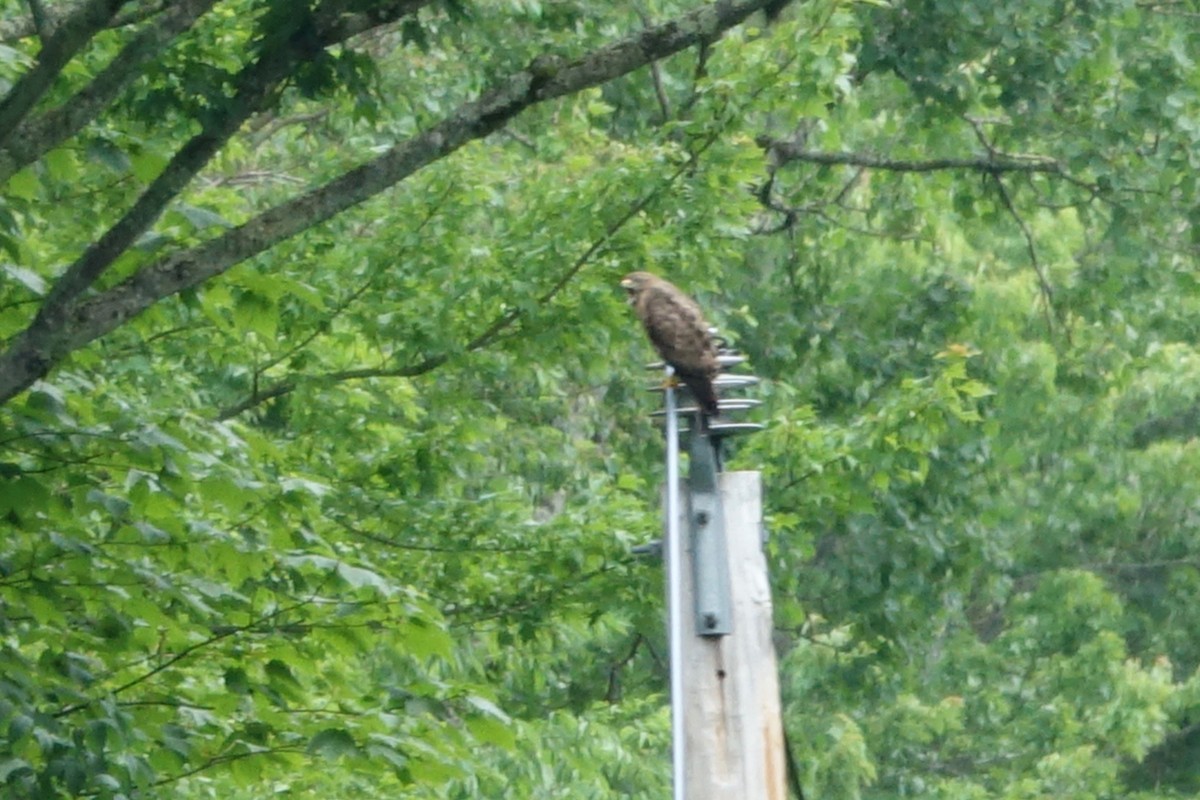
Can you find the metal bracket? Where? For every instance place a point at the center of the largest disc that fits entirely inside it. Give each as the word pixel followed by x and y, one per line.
pixel 706 524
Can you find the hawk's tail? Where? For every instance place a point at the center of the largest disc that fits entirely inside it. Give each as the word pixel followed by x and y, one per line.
pixel 705 395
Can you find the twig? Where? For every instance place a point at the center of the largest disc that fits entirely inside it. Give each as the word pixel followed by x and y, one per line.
pixel 14 30
pixel 41 23
pixel 786 152
pixel 225 759
pixel 1046 290
pixel 664 103
pixel 180 656
pixel 612 693
pixel 270 125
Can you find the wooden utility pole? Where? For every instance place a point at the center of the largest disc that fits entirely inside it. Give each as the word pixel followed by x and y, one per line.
pixel 726 729
pixel 733 733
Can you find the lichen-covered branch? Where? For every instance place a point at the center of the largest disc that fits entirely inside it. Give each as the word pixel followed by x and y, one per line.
pixel 67 40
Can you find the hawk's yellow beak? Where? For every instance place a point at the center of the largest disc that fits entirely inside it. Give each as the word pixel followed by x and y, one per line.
pixel 626 283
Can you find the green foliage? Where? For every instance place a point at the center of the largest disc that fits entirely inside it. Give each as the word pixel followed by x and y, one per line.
pixel 354 517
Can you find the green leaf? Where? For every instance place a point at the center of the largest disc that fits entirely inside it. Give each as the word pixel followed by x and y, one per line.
pixel 202 218
pixel 23 185
pixel 488 730
pixel 23 496
pixel 147 164
pixel 332 743
pixel 13 766
pixel 27 278
pixel 255 313
pixel 425 639
pixel 237 681
pixel 359 577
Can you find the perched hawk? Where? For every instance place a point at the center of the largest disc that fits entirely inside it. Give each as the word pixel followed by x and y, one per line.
pixel 679 333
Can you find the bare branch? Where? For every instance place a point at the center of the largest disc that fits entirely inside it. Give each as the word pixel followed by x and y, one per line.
pixel 34 351
pixel 660 92
pixel 268 126
pixel 786 151
pixel 227 758
pixel 431 212
pixel 182 655
pixel 1047 292
pixel 613 694
pixel 1174 8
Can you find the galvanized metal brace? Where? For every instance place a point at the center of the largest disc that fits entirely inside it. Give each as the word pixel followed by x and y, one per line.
pixel 706 526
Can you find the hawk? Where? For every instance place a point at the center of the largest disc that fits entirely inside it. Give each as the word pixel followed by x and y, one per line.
pixel 679 333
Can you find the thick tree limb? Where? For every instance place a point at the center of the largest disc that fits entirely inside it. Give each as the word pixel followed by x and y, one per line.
pixel 67 40
pixel 255 86
pixel 33 352
pixel 34 137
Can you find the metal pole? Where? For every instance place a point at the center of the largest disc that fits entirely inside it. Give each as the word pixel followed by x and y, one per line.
pixel 674 594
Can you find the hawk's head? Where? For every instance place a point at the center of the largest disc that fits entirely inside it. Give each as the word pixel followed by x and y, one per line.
pixel 635 282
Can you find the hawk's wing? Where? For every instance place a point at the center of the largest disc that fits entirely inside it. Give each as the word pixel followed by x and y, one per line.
pixel 678 331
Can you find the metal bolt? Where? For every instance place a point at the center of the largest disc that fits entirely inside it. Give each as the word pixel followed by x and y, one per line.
pixel 701 517
pixel 710 620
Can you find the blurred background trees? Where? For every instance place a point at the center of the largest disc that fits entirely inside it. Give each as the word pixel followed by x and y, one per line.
pixel 324 441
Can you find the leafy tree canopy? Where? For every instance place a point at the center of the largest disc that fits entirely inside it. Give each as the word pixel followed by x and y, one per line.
pixel 323 439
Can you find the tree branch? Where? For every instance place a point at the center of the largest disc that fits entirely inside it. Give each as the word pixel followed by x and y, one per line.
pixel 183 654
pixel 486 337
pixel 17 28
pixel 33 352
pixel 613 693
pixel 226 758
pixel 41 22
pixel 34 137
pixel 1047 292
pixel 254 87
pixel 67 40
pixel 994 163
pixel 431 211
pixel 660 91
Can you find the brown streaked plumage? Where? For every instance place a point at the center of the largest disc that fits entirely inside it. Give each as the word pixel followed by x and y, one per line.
pixel 677 330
